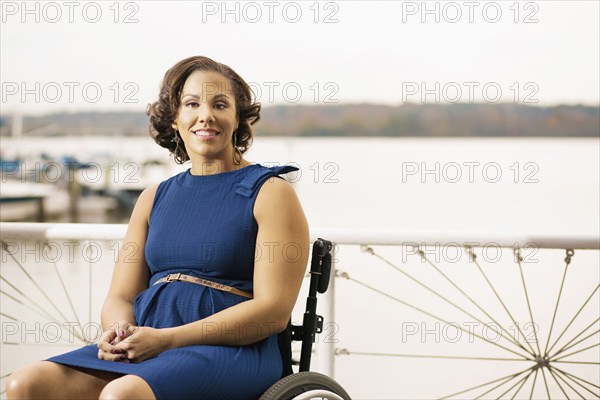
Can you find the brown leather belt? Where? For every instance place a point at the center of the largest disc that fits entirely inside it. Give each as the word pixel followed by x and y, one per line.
pixel 203 282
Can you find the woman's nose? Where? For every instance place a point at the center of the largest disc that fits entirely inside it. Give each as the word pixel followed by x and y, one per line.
pixel 205 114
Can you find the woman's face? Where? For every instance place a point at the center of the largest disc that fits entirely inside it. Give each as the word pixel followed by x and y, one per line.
pixel 207 116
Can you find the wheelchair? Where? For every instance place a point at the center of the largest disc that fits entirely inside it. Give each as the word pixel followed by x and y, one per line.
pixel 306 384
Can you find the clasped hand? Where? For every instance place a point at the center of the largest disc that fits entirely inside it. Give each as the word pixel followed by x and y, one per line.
pixel 130 343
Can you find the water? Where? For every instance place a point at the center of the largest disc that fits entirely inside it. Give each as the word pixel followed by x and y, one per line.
pixel 491 185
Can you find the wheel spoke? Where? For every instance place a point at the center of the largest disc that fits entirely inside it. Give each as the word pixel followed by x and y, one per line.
pixel 576 380
pixel 346 276
pixel 444 298
pixel 90 289
pixel 578 351
pixel 522 384
pixel 573 319
pixel 577 362
pixel 511 337
pixel 566 383
pixel 36 284
pixel 579 341
pixel 499 385
pixel 504 378
pixel 40 309
pixel 570 253
pixel 570 341
pixel 474 258
pixel 8 316
pixel 67 294
pixel 521 381
pixel 360 353
pixel 537 342
pixel 558 383
pixel 546 384
pixel 533 384
pixel 42 314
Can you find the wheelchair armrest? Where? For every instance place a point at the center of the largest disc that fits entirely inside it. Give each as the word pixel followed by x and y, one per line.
pixel 297 331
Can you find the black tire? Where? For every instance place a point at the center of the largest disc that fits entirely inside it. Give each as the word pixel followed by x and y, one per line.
pixel 302 382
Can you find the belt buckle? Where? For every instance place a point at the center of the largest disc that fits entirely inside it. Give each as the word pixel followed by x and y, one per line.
pixel 173 277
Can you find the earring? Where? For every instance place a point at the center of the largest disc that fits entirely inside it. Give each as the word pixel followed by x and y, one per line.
pixel 237 153
pixel 178 152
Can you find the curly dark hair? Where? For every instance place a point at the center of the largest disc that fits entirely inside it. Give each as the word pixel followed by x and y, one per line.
pixel 163 112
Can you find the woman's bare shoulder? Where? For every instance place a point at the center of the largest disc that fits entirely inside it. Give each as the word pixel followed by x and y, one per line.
pixel 276 197
pixel 276 190
pixel 143 205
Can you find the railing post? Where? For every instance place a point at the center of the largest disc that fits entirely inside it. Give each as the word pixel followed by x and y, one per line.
pixel 327 339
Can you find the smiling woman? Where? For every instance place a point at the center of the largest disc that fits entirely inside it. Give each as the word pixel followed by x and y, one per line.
pixel 201 85
pixel 207 120
pixel 194 313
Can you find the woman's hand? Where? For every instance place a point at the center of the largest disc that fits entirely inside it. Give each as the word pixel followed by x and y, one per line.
pixel 107 349
pixel 143 342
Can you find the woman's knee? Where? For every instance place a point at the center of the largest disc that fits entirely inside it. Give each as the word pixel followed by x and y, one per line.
pixel 31 381
pixel 127 387
pixel 46 379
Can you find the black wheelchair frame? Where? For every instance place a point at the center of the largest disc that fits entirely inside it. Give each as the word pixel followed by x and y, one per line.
pixel 313 384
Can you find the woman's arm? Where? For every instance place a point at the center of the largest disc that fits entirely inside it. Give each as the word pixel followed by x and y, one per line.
pixel 130 273
pixel 283 240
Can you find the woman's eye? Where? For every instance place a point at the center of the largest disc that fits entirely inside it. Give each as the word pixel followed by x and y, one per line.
pixel 191 104
pixel 221 106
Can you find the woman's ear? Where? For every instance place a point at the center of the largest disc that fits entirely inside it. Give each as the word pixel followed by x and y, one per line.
pixel 174 126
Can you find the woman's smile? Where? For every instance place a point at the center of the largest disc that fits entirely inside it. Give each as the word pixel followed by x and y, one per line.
pixel 205 133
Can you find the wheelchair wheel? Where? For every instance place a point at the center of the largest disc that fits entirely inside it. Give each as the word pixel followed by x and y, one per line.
pixel 305 385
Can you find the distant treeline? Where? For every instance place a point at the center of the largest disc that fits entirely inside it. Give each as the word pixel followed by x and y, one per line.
pixel 355 120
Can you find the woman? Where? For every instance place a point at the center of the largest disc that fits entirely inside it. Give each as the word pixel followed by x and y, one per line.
pixel 168 334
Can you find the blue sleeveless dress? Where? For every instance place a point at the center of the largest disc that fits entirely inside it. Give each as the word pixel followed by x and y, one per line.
pixel 201 226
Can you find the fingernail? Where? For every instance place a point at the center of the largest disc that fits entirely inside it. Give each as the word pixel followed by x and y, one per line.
pixel 121 333
pixel 118 351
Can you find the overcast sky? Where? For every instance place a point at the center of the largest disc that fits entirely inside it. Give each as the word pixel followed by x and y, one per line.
pixel 99 56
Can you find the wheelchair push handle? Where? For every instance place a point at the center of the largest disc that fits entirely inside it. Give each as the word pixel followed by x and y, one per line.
pixel 320 270
pixel 320 266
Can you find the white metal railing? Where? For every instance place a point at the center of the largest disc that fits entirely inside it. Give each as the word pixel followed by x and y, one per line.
pixel 396 237
pixel 326 350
